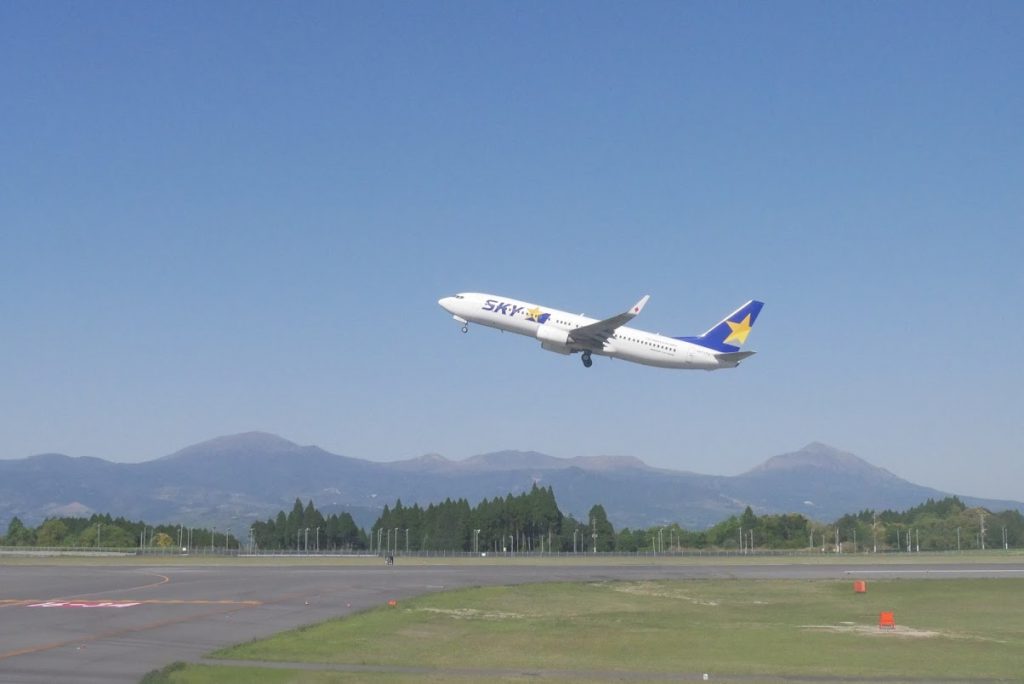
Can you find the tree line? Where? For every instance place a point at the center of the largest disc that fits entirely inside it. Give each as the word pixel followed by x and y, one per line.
pixel 104 531
pixel 532 522
pixel 306 529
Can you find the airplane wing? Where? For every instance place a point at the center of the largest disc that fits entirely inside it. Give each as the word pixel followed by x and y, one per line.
pixel 596 334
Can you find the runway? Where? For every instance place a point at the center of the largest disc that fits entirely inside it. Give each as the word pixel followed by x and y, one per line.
pixel 68 622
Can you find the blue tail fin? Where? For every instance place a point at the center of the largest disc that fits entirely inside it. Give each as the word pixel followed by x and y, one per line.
pixel 732 332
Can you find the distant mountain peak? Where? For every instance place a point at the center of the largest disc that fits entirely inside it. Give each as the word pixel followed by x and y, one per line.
pixel 819 456
pixel 512 460
pixel 430 461
pixel 254 441
pixel 609 462
pixel 433 458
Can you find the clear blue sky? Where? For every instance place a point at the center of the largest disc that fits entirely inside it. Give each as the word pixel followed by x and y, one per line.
pixel 221 217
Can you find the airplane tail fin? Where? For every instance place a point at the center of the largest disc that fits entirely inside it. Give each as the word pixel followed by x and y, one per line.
pixel 728 335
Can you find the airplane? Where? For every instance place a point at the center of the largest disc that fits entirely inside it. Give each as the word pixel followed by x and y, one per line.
pixel 566 333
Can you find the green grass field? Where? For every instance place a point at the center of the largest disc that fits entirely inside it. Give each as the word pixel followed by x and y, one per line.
pixel 957 629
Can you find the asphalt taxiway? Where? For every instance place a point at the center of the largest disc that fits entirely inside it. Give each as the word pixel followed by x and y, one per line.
pixel 90 623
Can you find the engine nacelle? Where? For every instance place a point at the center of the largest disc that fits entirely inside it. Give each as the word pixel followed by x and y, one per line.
pixel 554 339
pixel 557 348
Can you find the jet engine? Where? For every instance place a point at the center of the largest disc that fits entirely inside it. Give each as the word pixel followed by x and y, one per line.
pixel 554 339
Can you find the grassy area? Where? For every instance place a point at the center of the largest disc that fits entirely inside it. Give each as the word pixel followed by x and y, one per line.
pixel 960 629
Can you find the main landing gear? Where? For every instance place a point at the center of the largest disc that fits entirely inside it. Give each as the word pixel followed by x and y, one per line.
pixel 587 361
pixel 465 328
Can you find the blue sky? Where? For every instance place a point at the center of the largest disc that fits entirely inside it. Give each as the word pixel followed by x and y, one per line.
pixel 225 217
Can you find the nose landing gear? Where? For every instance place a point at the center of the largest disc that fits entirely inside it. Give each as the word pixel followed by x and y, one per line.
pixel 465 328
pixel 587 361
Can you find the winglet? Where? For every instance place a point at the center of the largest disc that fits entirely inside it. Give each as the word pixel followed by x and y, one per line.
pixel 638 307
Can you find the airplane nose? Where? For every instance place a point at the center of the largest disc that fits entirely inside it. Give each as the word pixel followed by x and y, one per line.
pixel 445 303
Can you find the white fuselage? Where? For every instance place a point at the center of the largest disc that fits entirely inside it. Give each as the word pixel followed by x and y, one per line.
pixel 553 328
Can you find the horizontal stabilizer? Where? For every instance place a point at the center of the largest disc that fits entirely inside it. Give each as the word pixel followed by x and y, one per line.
pixel 733 357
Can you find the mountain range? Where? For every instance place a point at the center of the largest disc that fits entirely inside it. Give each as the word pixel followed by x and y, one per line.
pixel 234 480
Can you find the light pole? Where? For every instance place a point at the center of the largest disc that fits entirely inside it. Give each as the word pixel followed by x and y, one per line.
pixel 407 540
pixel 307 540
pixel 476 541
pixel 99 528
pixel 958 540
pixel 298 537
pixel 574 532
pixel 395 550
pixel 318 540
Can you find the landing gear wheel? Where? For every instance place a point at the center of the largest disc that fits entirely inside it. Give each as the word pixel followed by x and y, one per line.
pixel 465 328
pixel 587 361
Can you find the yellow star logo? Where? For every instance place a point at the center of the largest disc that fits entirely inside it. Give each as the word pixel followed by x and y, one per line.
pixel 533 314
pixel 739 331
